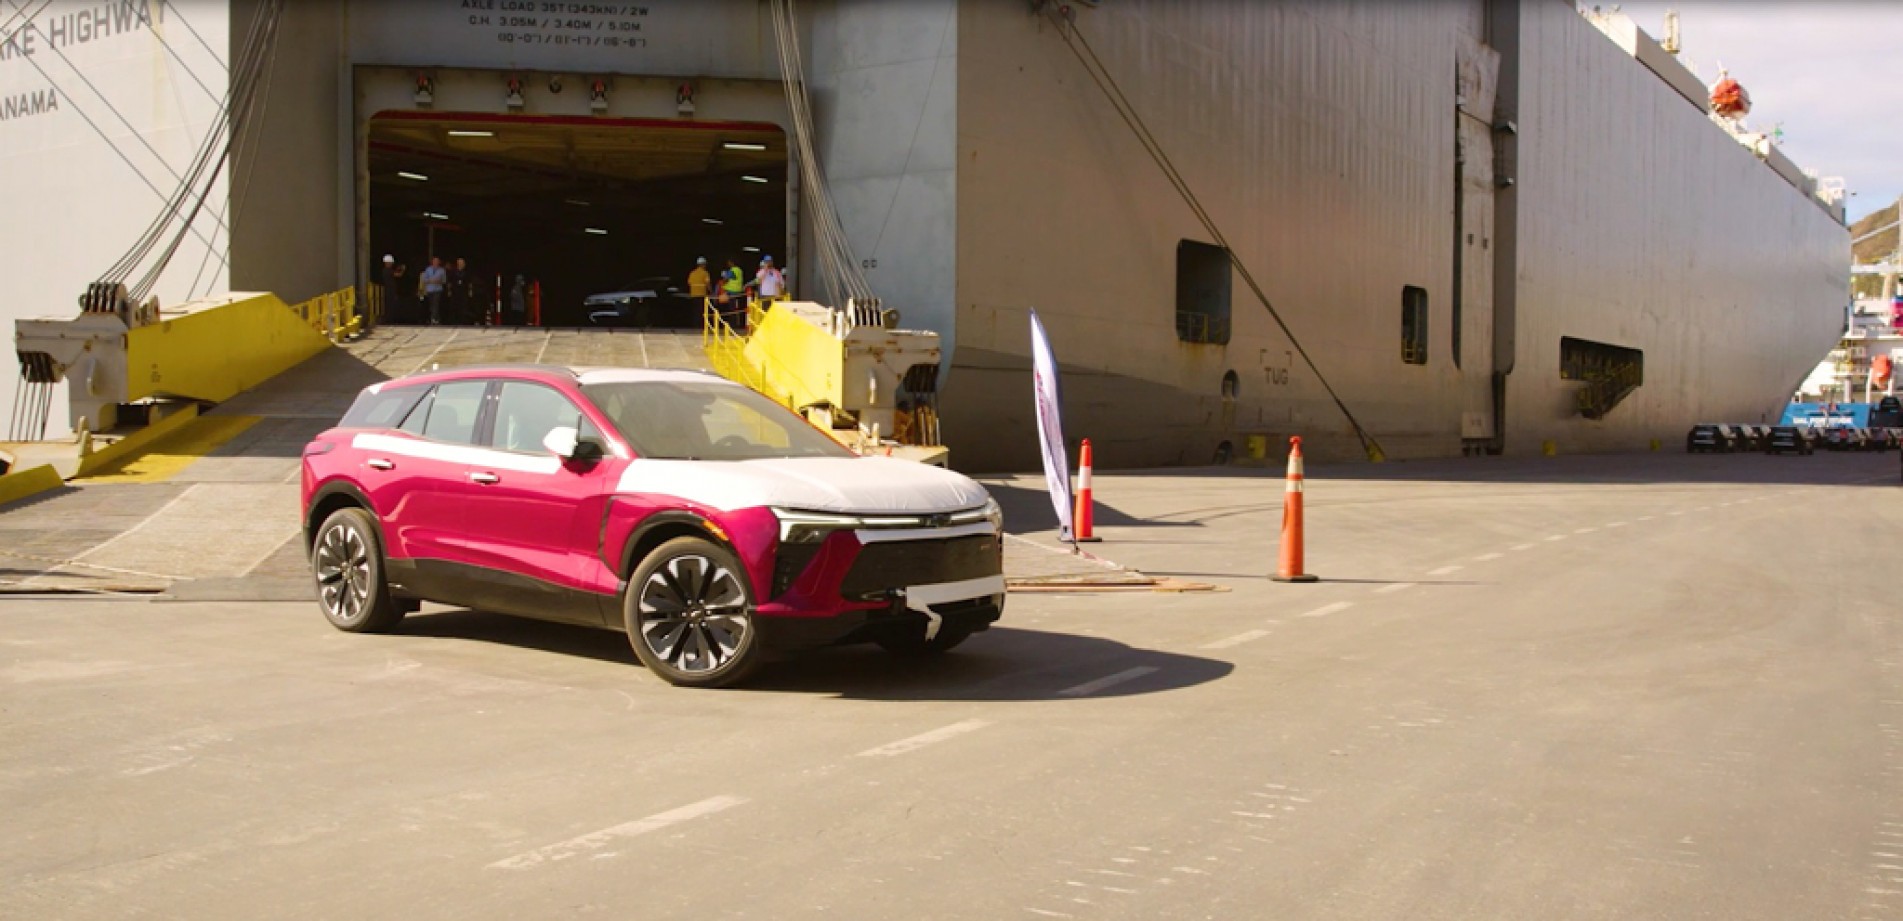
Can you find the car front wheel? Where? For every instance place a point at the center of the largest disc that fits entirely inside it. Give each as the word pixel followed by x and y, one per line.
pixel 347 563
pixel 689 615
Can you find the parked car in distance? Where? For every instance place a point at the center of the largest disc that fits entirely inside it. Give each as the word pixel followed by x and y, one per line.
pixel 632 304
pixel 1847 438
pixel 1705 438
pixel 707 522
pixel 1785 438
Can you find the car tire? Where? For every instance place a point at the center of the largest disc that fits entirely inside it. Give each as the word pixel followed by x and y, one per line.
pixel 913 642
pixel 347 568
pixel 689 615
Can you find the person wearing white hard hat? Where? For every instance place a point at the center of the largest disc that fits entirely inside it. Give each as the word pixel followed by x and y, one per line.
pixel 698 280
pixel 768 280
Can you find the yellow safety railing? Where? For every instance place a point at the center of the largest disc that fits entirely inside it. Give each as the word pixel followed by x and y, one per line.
pixel 726 347
pixel 334 316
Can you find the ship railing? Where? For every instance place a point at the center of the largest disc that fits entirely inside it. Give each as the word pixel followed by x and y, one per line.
pixel 334 316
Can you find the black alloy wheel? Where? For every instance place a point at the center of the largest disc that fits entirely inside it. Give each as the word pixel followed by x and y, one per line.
pixel 689 614
pixel 347 564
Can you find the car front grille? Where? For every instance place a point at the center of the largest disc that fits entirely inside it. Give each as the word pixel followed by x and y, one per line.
pixel 882 567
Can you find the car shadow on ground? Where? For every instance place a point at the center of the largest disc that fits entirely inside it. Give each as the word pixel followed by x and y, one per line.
pixel 1029 511
pixel 480 627
pixel 1000 664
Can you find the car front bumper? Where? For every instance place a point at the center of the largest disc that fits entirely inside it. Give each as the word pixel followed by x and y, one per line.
pixel 908 613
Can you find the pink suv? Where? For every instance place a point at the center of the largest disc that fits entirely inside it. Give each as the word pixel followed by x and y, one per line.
pixel 708 522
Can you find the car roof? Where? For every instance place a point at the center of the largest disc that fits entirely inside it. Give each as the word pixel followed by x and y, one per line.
pixel 556 373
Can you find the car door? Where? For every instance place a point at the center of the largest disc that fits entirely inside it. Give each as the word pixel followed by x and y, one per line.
pixel 534 519
pixel 416 477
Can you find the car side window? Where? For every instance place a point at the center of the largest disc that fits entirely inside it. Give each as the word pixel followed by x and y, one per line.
pixel 527 412
pixel 382 409
pixel 413 423
pixel 450 412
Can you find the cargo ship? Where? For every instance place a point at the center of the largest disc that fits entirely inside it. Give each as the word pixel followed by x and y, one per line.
pixel 1398 230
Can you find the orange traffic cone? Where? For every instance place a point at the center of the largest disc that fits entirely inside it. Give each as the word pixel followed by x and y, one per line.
pixel 1291 568
pixel 1084 520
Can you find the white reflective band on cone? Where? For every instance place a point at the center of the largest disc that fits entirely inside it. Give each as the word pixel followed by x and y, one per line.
pixel 1083 479
pixel 1295 485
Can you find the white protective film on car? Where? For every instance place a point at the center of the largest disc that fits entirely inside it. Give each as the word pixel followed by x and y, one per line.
pixel 857 485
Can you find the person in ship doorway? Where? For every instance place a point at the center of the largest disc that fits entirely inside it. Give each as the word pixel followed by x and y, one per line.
pixel 386 282
pixel 431 284
pixel 519 302
pixel 698 280
pixel 457 292
pixel 733 294
pixel 769 282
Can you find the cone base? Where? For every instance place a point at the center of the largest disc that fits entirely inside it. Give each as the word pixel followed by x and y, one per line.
pixel 1301 578
pixel 1090 540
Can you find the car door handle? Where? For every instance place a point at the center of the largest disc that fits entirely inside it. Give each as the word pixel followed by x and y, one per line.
pixel 379 463
pixel 485 479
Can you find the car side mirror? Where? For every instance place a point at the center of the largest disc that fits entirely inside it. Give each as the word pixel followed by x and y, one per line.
pixel 567 443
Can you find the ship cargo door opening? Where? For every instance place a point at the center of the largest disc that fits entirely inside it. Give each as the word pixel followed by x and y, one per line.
pixel 601 216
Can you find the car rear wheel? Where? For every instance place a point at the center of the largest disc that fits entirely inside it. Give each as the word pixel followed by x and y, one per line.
pixel 347 564
pixel 689 615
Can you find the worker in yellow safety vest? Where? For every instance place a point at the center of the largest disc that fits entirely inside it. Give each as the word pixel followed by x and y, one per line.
pixel 733 291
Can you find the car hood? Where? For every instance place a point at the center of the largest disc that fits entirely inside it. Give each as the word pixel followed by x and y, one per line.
pixel 853 485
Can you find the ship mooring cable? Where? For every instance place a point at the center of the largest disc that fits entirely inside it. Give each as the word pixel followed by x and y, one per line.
pixel 1099 74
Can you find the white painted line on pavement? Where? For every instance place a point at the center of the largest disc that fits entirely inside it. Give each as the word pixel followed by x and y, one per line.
pixel 1645 518
pixel 1445 570
pixel 1485 557
pixel 1676 514
pixel 1616 524
pixel 1518 547
pixel 923 739
pixel 1092 687
pixel 1328 609
pixel 595 840
pixel 1237 640
pixel 1584 530
pixel 1396 587
pixel 1556 537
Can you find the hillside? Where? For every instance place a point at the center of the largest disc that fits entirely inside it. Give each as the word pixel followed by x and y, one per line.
pixel 1878 247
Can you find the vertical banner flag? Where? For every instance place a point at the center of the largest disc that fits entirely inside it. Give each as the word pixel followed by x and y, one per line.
pixel 1050 425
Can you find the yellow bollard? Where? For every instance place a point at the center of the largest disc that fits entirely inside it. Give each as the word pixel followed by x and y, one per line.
pixel 1549 448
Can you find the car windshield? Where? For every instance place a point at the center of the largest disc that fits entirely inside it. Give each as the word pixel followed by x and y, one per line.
pixel 672 420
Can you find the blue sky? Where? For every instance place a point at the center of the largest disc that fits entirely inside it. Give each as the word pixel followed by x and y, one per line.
pixel 1830 72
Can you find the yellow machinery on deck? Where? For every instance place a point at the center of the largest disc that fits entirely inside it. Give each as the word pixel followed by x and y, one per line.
pixel 851 372
pixel 136 373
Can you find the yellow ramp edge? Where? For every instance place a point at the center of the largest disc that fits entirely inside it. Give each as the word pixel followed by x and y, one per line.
pixel 162 457
pixel 20 484
pixel 216 354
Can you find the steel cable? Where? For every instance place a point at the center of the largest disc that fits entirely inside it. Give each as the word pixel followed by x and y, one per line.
pixel 244 89
pixel 123 268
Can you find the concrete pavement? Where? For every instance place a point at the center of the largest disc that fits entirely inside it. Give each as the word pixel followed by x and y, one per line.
pixel 1560 688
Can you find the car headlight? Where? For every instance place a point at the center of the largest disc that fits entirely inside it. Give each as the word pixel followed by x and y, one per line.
pixel 995 514
pixel 800 527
